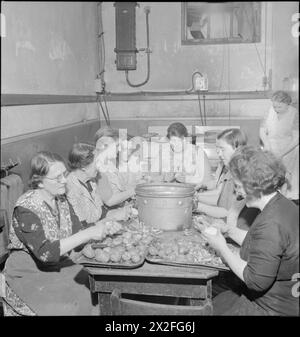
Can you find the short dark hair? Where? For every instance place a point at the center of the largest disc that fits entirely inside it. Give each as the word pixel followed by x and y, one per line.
pixel 234 137
pixel 282 97
pixel 260 172
pixel 81 155
pixel 177 130
pixel 40 165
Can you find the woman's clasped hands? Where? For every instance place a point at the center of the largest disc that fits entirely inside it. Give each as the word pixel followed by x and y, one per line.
pixel 214 238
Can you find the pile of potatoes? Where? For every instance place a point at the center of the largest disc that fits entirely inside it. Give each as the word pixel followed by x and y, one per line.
pixel 129 247
pixel 183 250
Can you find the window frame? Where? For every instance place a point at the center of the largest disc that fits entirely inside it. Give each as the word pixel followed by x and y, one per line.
pixel 212 41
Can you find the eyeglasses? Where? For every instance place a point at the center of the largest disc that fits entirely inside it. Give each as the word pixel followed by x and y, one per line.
pixel 59 178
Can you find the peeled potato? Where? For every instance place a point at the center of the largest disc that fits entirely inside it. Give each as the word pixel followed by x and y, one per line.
pixel 120 249
pixel 107 249
pixel 126 256
pixel 153 251
pixel 134 211
pixel 211 231
pixel 115 256
pixel 105 257
pixel 135 258
pixel 88 251
pixel 117 241
pixel 101 256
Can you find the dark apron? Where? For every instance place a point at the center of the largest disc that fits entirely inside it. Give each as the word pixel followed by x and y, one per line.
pixel 63 291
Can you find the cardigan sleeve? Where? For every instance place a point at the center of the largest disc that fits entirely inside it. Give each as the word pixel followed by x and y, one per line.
pixel 30 232
pixel 264 256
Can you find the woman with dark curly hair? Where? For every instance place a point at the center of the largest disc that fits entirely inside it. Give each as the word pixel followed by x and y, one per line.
pixel 268 260
pixel 83 190
pixel 189 163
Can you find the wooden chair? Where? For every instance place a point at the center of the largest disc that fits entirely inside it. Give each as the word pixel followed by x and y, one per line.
pixel 12 305
pixel 122 306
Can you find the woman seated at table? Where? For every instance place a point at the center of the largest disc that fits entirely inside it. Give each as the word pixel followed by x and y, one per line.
pixel 41 275
pixel 82 189
pixel 189 163
pixel 113 187
pixel 219 197
pixel 268 262
pixel 131 161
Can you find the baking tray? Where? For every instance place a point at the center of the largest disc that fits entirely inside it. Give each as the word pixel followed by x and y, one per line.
pixel 194 236
pixel 186 264
pixel 94 263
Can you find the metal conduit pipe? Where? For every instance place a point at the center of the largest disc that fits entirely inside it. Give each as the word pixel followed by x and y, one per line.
pixel 147 51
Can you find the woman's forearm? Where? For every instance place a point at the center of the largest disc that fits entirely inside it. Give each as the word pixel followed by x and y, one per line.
pixel 208 198
pixel 74 241
pixel 235 263
pixel 214 211
pixel 119 197
pixel 237 235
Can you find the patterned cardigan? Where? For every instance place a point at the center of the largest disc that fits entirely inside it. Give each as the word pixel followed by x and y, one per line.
pixel 35 229
pixel 87 206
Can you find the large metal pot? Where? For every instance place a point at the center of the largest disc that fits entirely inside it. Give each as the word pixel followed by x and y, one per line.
pixel 167 206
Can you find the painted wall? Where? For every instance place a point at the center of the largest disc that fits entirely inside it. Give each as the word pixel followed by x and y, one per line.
pixel 285 44
pixel 49 48
pixel 234 66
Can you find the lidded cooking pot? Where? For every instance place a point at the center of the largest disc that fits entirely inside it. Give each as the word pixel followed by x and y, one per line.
pixel 167 206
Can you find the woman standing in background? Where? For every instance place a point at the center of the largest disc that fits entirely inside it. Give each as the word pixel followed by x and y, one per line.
pixel 279 134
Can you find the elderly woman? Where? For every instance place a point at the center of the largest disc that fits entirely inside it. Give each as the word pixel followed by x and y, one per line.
pixel 82 189
pixel 279 134
pixel 269 256
pixel 189 163
pixel 41 275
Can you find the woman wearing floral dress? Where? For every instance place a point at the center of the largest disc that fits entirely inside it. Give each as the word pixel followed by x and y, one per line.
pixel 40 271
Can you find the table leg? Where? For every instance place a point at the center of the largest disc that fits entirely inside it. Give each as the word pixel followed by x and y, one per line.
pixel 104 304
pixel 207 303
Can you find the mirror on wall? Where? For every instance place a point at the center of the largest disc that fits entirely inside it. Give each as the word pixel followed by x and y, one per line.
pixel 221 22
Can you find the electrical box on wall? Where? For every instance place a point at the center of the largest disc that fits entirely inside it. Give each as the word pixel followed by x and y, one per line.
pixel 125 35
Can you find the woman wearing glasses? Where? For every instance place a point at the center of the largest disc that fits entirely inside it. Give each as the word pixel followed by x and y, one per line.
pixel 41 276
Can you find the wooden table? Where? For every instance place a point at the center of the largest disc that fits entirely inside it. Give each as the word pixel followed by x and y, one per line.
pixel 153 279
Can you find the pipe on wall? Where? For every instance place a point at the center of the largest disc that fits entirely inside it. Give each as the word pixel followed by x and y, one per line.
pixel 32 99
